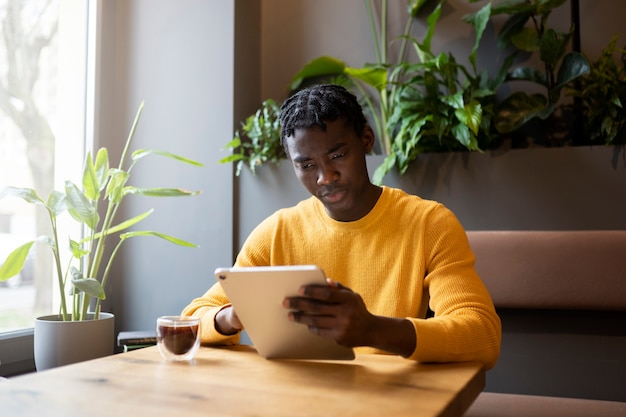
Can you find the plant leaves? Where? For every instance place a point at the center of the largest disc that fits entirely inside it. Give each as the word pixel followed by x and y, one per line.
pixel 517 109
pixel 90 286
pixel 322 66
pixel 14 263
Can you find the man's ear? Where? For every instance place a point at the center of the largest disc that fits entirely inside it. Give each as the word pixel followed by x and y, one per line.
pixel 369 138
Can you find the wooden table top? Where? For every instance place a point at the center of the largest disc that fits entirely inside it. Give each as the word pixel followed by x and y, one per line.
pixel 236 381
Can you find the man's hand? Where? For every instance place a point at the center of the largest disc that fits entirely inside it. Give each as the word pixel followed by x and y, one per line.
pixel 331 311
pixel 336 312
pixel 227 322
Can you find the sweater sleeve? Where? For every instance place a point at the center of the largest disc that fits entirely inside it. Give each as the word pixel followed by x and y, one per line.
pixel 206 307
pixel 254 252
pixel 466 326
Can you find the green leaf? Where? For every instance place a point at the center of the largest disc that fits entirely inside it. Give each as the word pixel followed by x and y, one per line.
pixel 171 239
pixel 415 6
pixel 160 192
pixel 552 46
pixel 141 153
pixel 479 20
pixel 322 66
pixel 90 180
pixel 383 169
pixel 374 76
pixel 124 225
pixel 432 20
pixel 462 134
pixel 455 101
pixel 80 208
pixel 76 249
pixel 90 286
pixel 15 261
pixel 574 65
pixel 102 167
pixel 511 27
pixel 115 188
pixel 527 40
pixel 27 194
pixel 527 74
pixel 231 158
pixel 470 115
pixel 517 109
pixel 57 203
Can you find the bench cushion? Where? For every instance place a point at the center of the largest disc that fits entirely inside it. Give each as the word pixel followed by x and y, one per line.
pixel 489 404
pixel 583 270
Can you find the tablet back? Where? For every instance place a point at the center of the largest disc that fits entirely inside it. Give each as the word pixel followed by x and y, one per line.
pixel 257 293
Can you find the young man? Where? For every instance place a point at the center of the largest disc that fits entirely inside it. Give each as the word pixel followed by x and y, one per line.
pixel 389 254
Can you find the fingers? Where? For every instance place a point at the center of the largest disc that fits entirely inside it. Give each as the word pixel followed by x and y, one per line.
pixel 331 292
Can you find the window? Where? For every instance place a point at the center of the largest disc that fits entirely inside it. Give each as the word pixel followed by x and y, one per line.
pixel 43 98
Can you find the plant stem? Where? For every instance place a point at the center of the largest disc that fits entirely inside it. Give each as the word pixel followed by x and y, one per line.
pixel 57 259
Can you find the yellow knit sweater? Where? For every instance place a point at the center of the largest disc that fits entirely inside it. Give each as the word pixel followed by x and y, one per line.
pixel 405 250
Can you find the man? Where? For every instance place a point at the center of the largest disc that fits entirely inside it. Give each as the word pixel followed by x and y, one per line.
pixel 387 254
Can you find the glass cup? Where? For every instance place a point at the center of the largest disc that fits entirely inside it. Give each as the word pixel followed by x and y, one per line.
pixel 178 337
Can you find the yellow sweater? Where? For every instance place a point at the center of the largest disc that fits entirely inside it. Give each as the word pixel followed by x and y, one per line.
pixel 404 250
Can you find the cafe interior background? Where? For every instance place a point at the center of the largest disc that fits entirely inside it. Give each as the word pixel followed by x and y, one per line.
pixel 203 66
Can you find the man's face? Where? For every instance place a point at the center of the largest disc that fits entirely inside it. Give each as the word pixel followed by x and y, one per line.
pixel 331 166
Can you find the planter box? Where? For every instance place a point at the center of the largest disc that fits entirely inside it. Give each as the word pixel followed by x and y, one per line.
pixel 574 188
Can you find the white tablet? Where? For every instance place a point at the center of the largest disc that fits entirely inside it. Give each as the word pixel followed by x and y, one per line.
pixel 257 294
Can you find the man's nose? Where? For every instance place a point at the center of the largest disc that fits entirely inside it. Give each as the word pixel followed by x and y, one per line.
pixel 327 175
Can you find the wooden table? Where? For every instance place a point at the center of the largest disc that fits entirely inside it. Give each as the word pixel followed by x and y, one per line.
pixel 238 382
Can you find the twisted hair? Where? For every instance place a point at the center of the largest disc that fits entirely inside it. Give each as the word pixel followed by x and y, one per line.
pixel 316 105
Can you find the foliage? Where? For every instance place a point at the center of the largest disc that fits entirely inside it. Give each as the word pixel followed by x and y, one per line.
pixel 526 30
pixel 376 84
pixel 437 104
pixel 261 139
pixel 602 93
pixel 101 184
pixel 441 104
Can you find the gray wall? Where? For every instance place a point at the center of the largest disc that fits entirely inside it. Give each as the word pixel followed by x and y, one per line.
pixel 178 57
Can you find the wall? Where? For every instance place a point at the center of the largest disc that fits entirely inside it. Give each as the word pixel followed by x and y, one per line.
pixel 178 57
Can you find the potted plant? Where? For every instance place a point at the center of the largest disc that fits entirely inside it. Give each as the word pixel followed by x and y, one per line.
pixel 81 279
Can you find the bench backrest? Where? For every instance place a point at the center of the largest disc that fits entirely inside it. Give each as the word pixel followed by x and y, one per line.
pixel 553 269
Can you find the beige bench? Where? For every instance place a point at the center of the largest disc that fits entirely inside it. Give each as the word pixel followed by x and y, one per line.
pixel 575 282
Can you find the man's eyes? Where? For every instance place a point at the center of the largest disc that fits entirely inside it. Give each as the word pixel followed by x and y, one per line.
pixel 309 165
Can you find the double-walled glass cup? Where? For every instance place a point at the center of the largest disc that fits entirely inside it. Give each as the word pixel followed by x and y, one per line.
pixel 178 337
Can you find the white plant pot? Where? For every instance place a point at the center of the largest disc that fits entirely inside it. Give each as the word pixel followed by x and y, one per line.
pixel 60 343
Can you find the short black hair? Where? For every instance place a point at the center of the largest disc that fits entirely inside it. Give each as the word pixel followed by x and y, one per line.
pixel 318 104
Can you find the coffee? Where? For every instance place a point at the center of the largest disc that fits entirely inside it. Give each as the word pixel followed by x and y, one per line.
pixel 178 339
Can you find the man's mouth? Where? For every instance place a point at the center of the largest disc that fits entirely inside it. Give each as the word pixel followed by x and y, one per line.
pixel 333 196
